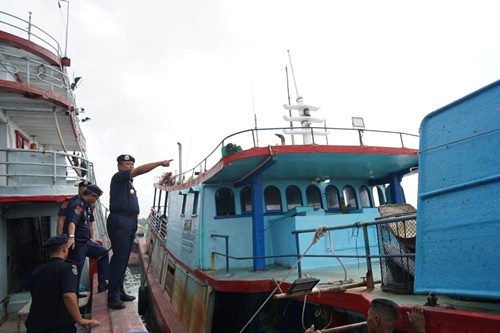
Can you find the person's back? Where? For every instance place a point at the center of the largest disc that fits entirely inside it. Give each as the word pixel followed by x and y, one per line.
pixel 48 310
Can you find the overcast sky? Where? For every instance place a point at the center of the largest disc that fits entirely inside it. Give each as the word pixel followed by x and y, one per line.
pixel 160 72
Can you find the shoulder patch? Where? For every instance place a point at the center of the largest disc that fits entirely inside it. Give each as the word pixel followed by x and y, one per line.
pixel 64 205
pixel 74 269
pixel 78 210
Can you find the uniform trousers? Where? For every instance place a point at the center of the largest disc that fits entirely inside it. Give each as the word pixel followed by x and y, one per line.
pixel 121 231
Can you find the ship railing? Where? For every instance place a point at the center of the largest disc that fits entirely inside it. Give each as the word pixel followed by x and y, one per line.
pixel 262 137
pixel 29 168
pixel 16 25
pixel 358 225
pixel 35 73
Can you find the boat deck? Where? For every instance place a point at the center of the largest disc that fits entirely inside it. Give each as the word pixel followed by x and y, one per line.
pixel 112 321
pixel 330 276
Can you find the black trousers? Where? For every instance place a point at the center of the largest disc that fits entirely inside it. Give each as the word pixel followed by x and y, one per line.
pixel 65 329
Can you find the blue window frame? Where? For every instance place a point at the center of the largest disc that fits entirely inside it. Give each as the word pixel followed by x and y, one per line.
pixel 272 199
pixel 246 200
pixel 313 195
pixel 293 197
pixel 332 198
pixel 364 196
pixel 224 202
pixel 351 202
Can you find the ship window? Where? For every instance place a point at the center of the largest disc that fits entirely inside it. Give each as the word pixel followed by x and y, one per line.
pixel 378 195
pixel 313 196
pixel 332 198
pixel 195 203
pixel 184 198
pixel 272 199
pixel 246 200
pixel 22 142
pixel 224 202
pixel 350 197
pixel 364 195
pixel 293 197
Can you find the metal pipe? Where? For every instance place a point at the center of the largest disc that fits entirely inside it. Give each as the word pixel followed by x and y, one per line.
pixel 179 181
pixel 342 287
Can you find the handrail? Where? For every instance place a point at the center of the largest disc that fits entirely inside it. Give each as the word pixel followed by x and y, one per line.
pixel 39 33
pixel 329 139
pixel 367 256
pixel 39 166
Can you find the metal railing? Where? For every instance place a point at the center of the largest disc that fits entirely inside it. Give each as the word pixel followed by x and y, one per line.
pixel 336 136
pixel 17 24
pixel 367 256
pixel 22 167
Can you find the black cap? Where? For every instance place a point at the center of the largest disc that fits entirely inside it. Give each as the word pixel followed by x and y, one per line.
pixel 84 183
pixel 125 158
pixel 94 189
pixel 56 240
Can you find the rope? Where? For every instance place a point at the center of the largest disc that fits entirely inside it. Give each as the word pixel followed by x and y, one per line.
pixel 320 231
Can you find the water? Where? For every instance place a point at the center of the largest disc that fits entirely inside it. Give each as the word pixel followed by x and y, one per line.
pixel 133 282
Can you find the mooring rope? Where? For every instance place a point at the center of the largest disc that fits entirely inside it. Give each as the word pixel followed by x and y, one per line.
pixel 320 231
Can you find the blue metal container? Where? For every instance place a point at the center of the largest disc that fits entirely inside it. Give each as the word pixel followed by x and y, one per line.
pixel 458 219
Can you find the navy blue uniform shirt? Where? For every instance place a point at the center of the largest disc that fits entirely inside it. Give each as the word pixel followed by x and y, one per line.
pixel 63 208
pixel 48 284
pixel 80 213
pixel 122 195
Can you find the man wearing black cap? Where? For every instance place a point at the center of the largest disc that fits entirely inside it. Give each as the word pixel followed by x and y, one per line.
pixel 63 209
pixel 78 227
pixel 54 306
pixel 122 223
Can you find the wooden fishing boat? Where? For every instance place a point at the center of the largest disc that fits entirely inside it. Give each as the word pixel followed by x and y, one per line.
pixel 275 237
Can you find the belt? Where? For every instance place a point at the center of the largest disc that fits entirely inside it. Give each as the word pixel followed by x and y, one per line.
pixel 119 212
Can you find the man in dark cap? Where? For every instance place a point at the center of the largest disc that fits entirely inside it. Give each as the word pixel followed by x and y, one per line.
pixel 63 208
pixel 122 223
pixel 54 305
pixel 78 227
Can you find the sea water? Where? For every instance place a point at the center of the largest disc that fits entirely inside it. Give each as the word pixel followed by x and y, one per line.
pixel 132 283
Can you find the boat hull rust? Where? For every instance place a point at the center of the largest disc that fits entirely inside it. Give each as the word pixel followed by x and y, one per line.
pixel 166 318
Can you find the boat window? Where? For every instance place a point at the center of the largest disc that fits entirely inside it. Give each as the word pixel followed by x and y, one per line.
pixel 364 195
pixel 332 198
pixel 313 196
pixel 246 200
pixel 195 203
pixel 22 141
pixel 378 195
pixel 293 197
pixel 184 198
pixel 272 198
pixel 224 202
pixel 350 197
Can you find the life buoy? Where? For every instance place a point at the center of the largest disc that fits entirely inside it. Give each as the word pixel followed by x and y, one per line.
pixel 165 178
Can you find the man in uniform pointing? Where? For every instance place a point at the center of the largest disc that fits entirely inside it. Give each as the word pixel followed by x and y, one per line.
pixel 122 223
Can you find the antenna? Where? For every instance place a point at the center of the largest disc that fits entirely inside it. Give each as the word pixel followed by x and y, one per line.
pixel 255 117
pixel 293 75
pixel 288 93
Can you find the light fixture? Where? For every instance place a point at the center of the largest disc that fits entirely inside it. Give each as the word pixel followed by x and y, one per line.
pixel 358 123
pixel 302 285
pixel 86 119
pixel 75 84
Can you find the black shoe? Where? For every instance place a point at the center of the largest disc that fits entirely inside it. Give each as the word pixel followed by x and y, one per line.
pixel 81 295
pixel 127 298
pixel 103 287
pixel 117 305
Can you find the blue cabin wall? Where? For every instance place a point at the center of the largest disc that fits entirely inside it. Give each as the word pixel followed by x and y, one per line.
pixel 459 194
pixel 278 239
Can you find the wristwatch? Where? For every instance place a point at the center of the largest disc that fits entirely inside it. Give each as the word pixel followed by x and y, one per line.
pixel 71 236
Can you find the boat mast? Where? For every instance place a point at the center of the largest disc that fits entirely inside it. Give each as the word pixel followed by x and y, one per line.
pixel 255 117
pixel 289 102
